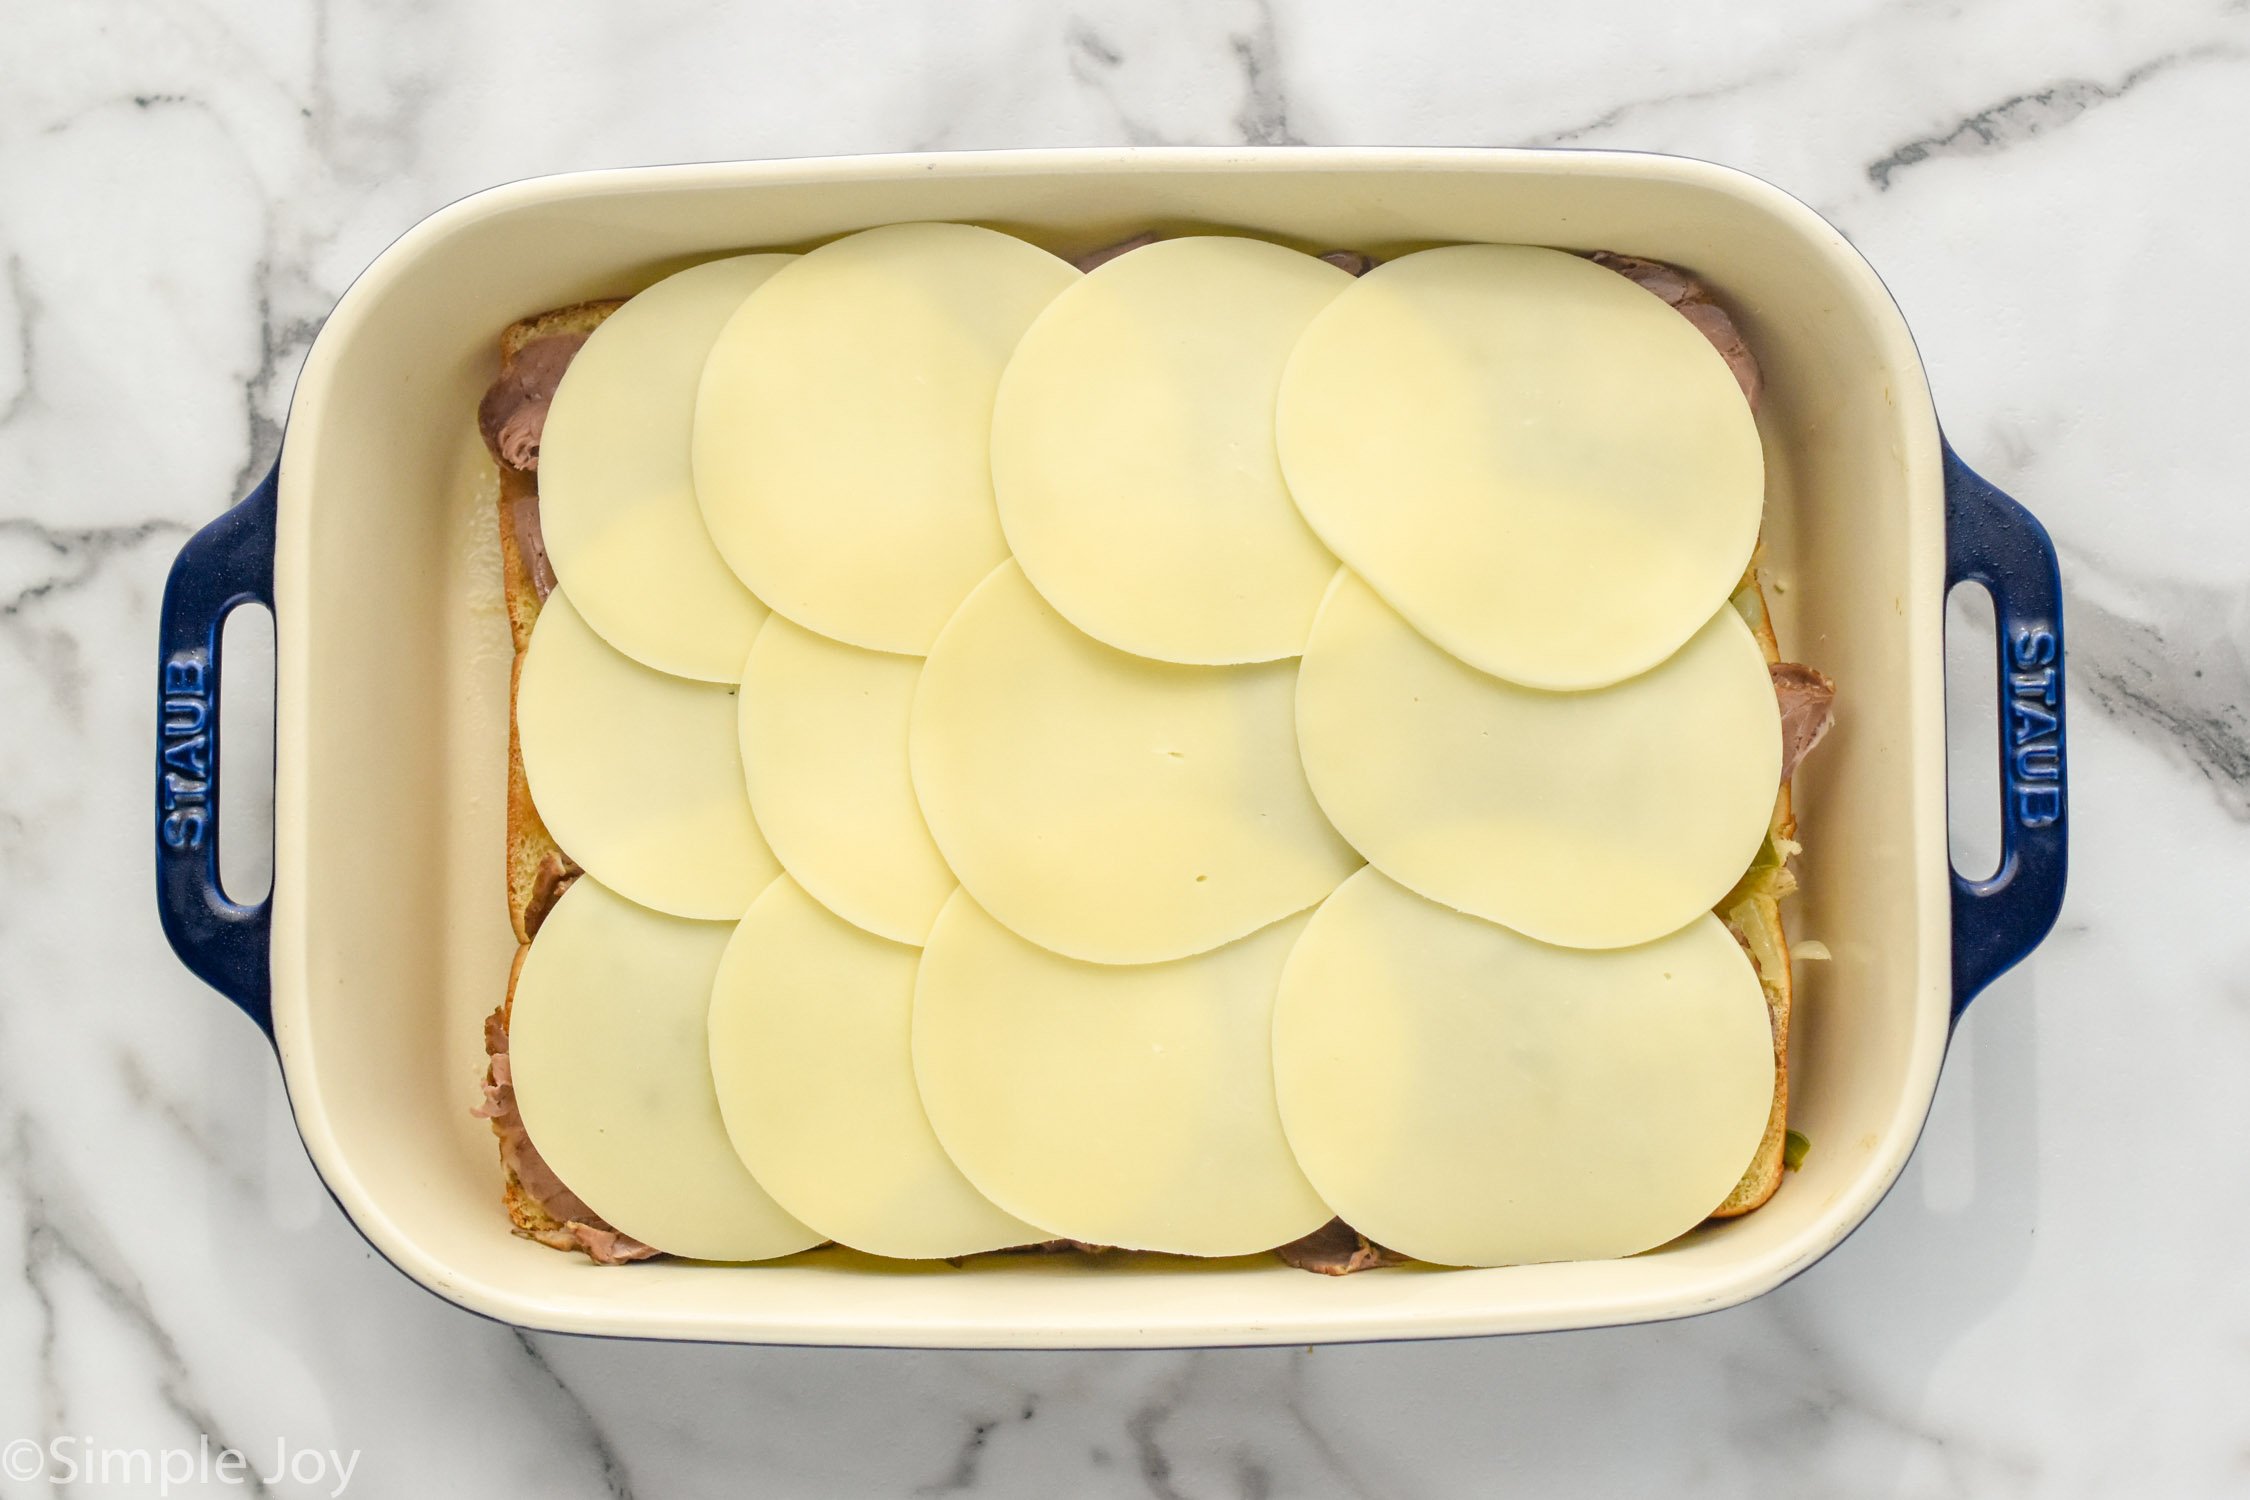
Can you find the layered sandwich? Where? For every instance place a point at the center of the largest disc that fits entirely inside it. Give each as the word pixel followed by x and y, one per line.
pixel 1210 750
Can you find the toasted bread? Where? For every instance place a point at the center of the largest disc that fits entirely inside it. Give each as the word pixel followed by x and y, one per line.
pixel 524 1211
pixel 1752 909
pixel 515 574
pixel 538 870
pixel 536 865
pixel 578 317
pixel 538 1209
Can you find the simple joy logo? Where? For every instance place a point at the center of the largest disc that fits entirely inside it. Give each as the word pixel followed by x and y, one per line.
pixel 72 1459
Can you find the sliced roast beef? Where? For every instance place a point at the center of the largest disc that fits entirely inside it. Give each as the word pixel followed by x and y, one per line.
pixel 1808 709
pixel 1108 253
pixel 513 418
pixel 554 876
pixel 575 1226
pixel 1354 261
pixel 531 540
pixel 1337 1249
pixel 513 414
pixel 1694 302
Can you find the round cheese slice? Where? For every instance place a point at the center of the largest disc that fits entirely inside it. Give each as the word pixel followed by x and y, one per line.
pixel 1547 470
pixel 812 1054
pixel 823 730
pixel 1469 1097
pixel 616 495
pixel 1106 806
pixel 1594 819
pixel 1133 453
pixel 843 431
pixel 1118 1105
pixel 607 1051
pixel 636 772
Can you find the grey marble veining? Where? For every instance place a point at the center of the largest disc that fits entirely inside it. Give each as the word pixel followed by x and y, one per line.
pixel 2168 657
pixel 2019 117
pixel 2051 1303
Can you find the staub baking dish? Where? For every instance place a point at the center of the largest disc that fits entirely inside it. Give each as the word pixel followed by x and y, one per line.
pixel 385 939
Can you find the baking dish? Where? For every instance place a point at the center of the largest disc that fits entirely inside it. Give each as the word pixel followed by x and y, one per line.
pixel 385 939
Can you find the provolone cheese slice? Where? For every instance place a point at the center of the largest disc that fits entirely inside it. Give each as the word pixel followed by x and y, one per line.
pixel 1592 819
pixel 607 1051
pixel 616 493
pixel 637 773
pixel 1551 473
pixel 1127 1106
pixel 824 748
pixel 1470 1097
pixel 812 1054
pixel 1106 806
pixel 843 431
pixel 1133 452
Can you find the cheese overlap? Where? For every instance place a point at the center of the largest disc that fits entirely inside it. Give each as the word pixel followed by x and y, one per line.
pixel 1016 853
pixel 607 1053
pixel 1545 469
pixel 637 772
pixel 616 493
pixel 1106 806
pixel 843 427
pixel 811 1026
pixel 823 732
pixel 1119 1105
pixel 1133 451
pixel 1467 1096
pixel 1594 819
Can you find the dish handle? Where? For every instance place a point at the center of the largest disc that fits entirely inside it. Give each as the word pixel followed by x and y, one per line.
pixel 227 564
pixel 1991 540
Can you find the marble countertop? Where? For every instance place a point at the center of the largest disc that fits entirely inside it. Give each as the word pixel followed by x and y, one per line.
pixel 2053 1301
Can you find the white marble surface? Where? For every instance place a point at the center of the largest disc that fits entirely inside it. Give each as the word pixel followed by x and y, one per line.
pixel 2054 1301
